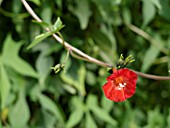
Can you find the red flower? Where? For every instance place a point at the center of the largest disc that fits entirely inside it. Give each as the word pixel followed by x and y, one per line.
pixel 121 85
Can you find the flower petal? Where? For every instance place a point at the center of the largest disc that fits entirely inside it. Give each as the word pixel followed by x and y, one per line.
pixel 108 88
pixel 121 85
pixel 129 92
pixel 118 96
pixel 112 93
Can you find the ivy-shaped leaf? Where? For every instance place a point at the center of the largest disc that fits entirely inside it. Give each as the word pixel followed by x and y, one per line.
pixel 39 38
pixel 165 9
pixel 148 6
pixel 11 58
pixel 75 118
pixel 5 85
pixel 20 110
pixel 77 114
pixel 50 106
pixel 83 13
pixel 37 2
pixel 99 112
pixel 0 2
pixel 43 63
pixel 76 80
pixel 149 57
pixel 53 29
pixel 90 123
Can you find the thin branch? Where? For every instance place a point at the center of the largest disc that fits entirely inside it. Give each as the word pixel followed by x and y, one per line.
pixel 152 76
pixel 89 58
pixel 32 13
pixel 148 37
pixel 77 56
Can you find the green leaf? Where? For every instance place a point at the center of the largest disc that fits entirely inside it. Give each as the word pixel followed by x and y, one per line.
pixel 53 29
pixel 75 77
pixel 168 119
pixel 39 38
pixel 149 57
pixel 59 3
pixel 106 104
pixel 148 6
pixel 5 85
pixel 37 2
pixel 99 112
pixel 106 44
pixel 89 121
pixel 75 118
pixel 48 119
pixel 46 11
pixel 77 113
pixel 77 102
pixel 108 10
pixel 50 106
pixel 103 115
pixel 157 3
pixel 42 65
pixel 69 89
pixel 0 2
pixel 91 100
pixel 90 78
pixel 83 13
pixel 0 120
pixel 10 58
pixel 42 24
pixel 155 122
pixel 16 6
pixel 165 9
pixel 169 57
pixel 82 75
pixel 58 24
pixel 19 114
pixel 127 16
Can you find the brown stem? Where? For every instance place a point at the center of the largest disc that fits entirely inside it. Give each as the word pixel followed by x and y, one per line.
pixel 152 76
pixel 148 37
pixel 89 58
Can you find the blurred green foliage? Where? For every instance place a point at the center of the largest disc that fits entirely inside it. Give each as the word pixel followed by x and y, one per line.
pixel 31 95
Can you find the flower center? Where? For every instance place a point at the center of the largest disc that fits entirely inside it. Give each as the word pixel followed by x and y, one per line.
pixel 121 86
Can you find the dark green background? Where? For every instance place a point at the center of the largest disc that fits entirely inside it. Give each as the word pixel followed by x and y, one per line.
pixel 33 96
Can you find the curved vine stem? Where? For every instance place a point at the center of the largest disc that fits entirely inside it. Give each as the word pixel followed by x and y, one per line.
pixel 83 55
pixel 148 37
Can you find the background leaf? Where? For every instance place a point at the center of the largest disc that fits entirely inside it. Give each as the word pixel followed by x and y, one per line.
pixel 82 12
pixel 99 112
pixel 155 122
pixel 76 80
pixel 150 56
pixel 21 111
pixel 10 57
pixel 39 38
pixel 49 105
pixel 165 7
pixel 101 29
pixel 43 63
pixel 90 123
pixel 75 118
pixel 37 2
pixel 148 6
pixel 58 24
pixel 5 85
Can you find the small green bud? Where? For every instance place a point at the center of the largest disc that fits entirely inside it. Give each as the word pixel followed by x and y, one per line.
pixel 109 69
pixel 58 68
pixel 124 62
